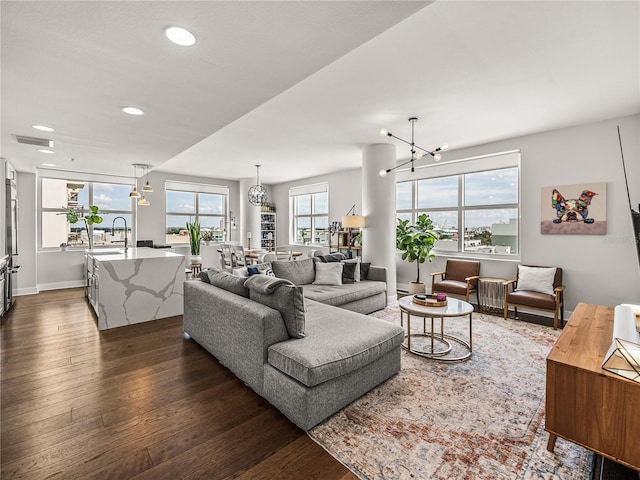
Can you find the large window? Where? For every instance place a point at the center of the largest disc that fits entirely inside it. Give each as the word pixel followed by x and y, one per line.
pixel 187 203
pixel 58 195
pixel 310 214
pixel 473 212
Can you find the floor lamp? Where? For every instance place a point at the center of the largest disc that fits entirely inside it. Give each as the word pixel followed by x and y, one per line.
pixel 350 222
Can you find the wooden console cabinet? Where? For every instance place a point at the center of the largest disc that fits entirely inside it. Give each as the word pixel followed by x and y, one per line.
pixel 584 403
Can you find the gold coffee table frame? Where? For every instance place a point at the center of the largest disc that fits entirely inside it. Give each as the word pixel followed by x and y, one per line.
pixel 454 308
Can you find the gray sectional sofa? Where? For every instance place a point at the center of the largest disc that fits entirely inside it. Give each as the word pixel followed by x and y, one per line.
pixel 307 348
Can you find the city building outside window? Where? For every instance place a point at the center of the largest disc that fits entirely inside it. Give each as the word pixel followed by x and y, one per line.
pixel 58 195
pixel 207 204
pixel 475 209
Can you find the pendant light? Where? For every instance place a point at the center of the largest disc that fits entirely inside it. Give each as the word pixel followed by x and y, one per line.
pixel 134 192
pixel 417 152
pixel 257 193
pixel 147 186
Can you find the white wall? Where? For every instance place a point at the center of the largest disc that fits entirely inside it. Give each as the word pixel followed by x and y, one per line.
pixel 345 189
pixel 601 269
pixel 25 280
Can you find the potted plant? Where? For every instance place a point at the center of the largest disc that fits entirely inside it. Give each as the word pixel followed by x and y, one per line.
pixel 207 236
pixel 416 242
pixel 74 215
pixel 194 242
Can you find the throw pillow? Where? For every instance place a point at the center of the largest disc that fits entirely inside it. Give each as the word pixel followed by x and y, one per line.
pixel 335 257
pixel 298 272
pixel 328 273
pixel 289 301
pixel 348 272
pixel 241 272
pixel 204 276
pixel 536 279
pixel 364 270
pixel 253 271
pixel 357 261
pixel 228 282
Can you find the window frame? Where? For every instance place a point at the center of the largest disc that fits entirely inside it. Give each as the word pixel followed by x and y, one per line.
pixel 461 170
pixel 294 195
pixel 196 190
pixel 89 182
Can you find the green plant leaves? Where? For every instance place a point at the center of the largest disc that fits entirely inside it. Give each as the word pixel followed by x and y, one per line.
pixel 416 241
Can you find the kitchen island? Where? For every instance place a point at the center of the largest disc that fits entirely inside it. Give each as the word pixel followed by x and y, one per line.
pixel 134 286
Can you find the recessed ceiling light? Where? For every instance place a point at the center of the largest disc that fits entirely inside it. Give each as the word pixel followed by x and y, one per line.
pixel 48 164
pixel 43 128
pixel 180 36
pixel 132 111
pixel 44 150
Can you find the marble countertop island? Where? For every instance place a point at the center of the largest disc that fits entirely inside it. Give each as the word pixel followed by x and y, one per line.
pixel 134 286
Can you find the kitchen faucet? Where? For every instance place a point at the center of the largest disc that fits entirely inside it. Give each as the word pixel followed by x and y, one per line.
pixel 113 231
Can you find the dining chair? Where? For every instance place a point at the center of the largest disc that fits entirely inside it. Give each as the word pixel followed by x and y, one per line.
pixel 238 258
pixel 226 259
pixel 284 252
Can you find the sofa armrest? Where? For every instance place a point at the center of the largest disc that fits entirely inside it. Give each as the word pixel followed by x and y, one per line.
pixel 235 329
pixel 378 274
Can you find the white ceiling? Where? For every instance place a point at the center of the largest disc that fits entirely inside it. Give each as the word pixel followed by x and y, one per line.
pixel 300 87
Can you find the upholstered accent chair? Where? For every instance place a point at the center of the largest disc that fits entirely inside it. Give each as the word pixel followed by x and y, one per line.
pixel 460 278
pixel 538 288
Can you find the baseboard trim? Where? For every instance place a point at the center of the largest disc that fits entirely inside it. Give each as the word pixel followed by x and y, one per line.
pixel 60 285
pixel 25 291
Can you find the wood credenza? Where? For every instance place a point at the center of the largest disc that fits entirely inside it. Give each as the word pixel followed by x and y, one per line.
pixel 584 403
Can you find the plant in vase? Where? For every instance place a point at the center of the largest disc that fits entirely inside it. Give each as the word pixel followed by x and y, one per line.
pixel 207 236
pixel 416 242
pixel 194 242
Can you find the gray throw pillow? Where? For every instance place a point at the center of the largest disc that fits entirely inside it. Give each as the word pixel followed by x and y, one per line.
pixel 364 270
pixel 298 272
pixel 328 274
pixel 348 272
pixel 289 301
pixel 226 281
pixel 356 273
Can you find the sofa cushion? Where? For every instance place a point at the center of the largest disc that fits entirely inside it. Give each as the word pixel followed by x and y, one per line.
pixel 328 274
pixel 333 295
pixel 228 282
pixel 289 301
pixel 349 272
pixel 364 270
pixel 298 272
pixel 356 273
pixel 337 342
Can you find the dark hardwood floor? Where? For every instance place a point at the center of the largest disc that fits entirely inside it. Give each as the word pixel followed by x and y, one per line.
pixel 134 402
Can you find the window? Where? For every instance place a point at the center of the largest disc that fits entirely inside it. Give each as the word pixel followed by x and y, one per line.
pixel 310 214
pixel 112 200
pixel 206 204
pixel 473 211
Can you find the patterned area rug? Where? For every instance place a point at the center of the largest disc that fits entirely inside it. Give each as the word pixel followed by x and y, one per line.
pixel 478 419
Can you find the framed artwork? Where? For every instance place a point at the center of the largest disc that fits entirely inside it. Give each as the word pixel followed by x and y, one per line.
pixel 579 209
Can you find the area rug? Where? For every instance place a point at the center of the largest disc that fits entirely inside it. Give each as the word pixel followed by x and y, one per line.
pixel 478 419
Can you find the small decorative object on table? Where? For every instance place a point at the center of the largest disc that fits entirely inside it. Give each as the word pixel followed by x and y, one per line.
pixel 438 300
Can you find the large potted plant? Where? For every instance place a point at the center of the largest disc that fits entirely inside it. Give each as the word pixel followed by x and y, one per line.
pixel 416 242
pixel 194 242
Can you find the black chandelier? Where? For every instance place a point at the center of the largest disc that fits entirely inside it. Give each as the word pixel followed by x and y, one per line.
pixel 417 152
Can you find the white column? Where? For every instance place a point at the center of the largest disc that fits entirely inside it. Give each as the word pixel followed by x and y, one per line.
pixel 249 219
pixel 379 208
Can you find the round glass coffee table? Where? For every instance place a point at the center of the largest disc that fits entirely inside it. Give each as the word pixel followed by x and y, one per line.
pixel 440 342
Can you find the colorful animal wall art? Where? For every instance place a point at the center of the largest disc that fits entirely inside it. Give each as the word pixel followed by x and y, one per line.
pixel 574 209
